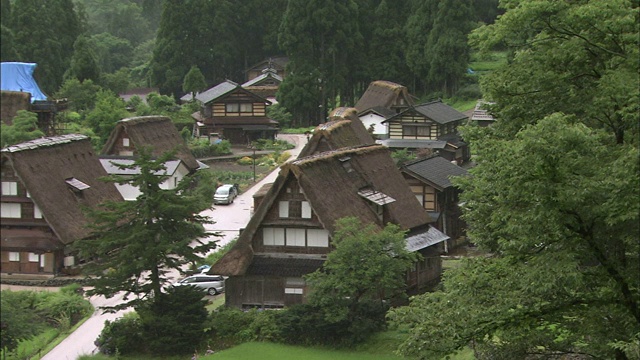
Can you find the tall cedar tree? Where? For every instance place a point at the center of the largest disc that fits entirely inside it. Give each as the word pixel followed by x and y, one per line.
pixel 134 244
pixel 447 48
pixel 321 35
pixel 44 33
pixel 554 196
pixel 200 33
pixel 84 62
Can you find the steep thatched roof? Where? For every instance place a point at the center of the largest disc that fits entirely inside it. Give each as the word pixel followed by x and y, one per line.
pixel 158 132
pixel 343 130
pixel 337 184
pixel 11 102
pixel 383 93
pixel 55 171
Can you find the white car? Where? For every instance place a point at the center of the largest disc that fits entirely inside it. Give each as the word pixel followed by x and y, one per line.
pixel 225 194
pixel 212 284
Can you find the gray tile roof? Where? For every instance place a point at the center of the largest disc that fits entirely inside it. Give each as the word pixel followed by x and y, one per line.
pixel 262 77
pixel 425 239
pixel 44 142
pixel 412 144
pixel 213 93
pixel 436 170
pixel 110 166
pixel 440 112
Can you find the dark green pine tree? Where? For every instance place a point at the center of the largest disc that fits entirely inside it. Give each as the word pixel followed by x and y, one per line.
pixel 134 244
pixel 418 27
pixel 387 45
pixel 197 33
pixel 447 47
pixel 323 35
pixel 7 45
pixel 84 63
pixel 44 33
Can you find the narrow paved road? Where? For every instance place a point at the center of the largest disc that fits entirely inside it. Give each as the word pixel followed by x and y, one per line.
pixel 229 220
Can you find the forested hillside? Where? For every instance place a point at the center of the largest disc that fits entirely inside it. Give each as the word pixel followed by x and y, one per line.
pixel 335 47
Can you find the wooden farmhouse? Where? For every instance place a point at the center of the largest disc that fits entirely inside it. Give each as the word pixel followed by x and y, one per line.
pixel 265 85
pixel 290 232
pixel 430 181
pixel 276 64
pixel 234 113
pixel 155 132
pixel 45 184
pixel 431 125
pixel 382 100
pixel 343 129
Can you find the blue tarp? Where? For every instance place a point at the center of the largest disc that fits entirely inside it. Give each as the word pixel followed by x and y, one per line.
pixel 18 76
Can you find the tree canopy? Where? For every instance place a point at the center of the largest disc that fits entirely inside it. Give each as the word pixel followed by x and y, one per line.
pixel 554 198
pixel 24 127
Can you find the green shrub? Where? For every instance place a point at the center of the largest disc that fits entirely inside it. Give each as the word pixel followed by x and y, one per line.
pixel 55 306
pixel 228 325
pixel 203 148
pixel 174 322
pixel 123 335
pixel 245 161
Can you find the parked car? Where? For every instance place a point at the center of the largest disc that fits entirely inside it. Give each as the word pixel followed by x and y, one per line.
pixel 212 284
pixel 204 269
pixel 225 194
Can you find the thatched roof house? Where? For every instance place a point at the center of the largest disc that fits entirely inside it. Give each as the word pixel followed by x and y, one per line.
pixel 49 181
pixel 157 132
pixel 382 93
pixel 11 102
pixel 343 129
pixel 288 235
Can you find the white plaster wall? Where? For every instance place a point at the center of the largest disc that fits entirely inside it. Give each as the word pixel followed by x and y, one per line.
pixel 379 129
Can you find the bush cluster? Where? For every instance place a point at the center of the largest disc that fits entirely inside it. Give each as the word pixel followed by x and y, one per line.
pixel 172 323
pixel 203 148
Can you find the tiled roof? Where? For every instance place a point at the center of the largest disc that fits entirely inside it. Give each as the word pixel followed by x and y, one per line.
pixel 440 112
pixel 425 239
pixel 412 144
pixel 213 93
pixel 437 170
pixel 44 142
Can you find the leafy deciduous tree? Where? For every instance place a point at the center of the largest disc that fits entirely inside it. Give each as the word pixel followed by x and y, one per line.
pixel 558 206
pixel 194 82
pixel 368 266
pixel 24 127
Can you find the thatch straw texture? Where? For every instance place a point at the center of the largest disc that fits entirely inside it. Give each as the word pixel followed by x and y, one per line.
pixel 158 132
pixel 44 166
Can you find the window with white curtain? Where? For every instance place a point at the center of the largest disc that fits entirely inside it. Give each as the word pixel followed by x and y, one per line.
pixel 9 188
pixel 33 257
pixel 306 210
pixel 10 210
pixel 295 237
pixel 317 237
pixel 37 214
pixel 284 209
pixel 14 256
pixel 273 236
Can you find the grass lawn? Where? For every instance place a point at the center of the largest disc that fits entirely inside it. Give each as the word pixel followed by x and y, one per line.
pixel 270 351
